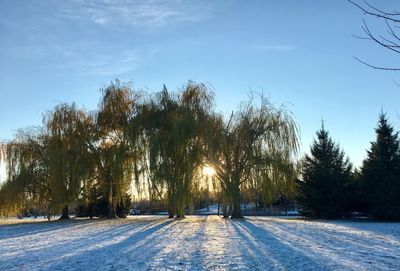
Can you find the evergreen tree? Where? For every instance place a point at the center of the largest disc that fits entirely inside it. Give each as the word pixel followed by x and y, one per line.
pixel 326 173
pixel 381 173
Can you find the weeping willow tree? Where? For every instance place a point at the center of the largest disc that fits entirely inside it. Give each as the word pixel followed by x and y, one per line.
pixel 253 136
pixel 73 153
pixel 107 137
pixel 275 180
pixel 166 139
pixel 175 128
pixel 27 183
pixel 46 165
pixel 67 155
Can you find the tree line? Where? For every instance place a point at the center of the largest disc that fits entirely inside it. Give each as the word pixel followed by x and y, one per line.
pixel 157 143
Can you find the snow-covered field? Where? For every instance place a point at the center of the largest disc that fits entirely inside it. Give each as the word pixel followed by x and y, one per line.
pixel 200 243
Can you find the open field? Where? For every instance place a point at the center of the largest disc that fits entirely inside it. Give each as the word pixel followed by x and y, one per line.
pixel 200 243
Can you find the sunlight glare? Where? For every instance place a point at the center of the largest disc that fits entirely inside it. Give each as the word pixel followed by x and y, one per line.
pixel 209 171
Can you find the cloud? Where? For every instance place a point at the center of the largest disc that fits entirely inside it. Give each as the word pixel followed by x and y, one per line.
pixel 152 13
pixel 87 59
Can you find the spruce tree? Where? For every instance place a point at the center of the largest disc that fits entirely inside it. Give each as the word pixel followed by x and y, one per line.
pixel 326 173
pixel 381 173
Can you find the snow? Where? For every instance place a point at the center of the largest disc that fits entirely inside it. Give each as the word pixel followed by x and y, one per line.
pixel 212 210
pixel 199 243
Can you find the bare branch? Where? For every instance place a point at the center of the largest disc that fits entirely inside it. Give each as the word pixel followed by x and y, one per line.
pixel 376 67
pixel 377 13
pixel 381 11
pixel 372 37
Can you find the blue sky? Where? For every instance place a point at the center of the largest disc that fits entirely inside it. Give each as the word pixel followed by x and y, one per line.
pixel 296 52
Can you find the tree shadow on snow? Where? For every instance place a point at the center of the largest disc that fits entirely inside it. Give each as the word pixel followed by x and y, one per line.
pixel 269 252
pixel 115 248
pixel 29 228
pixel 311 246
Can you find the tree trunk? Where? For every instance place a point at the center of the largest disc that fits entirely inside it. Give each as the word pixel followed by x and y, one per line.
pixel 90 211
pixel 111 212
pixel 180 212
pixel 225 213
pixel 48 214
pixel 181 193
pixel 236 211
pixel 171 207
pixel 171 201
pixel 64 214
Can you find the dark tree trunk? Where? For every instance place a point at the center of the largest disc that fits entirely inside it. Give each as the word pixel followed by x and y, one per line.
pixel 111 212
pixel 48 214
pixel 180 211
pixel 64 214
pixel 90 211
pixel 171 203
pixel 225 213
pixel 111 209
pixel 236 211
pixel 171 212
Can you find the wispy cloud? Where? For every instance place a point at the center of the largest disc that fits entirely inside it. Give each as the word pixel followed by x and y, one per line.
pixel 152 13
pixel 85 59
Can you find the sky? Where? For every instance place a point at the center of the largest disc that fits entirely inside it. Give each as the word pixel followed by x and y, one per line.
pixel 297 52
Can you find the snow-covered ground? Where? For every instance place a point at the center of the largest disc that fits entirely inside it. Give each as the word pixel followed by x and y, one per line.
pixel 200 243
pixel 212 210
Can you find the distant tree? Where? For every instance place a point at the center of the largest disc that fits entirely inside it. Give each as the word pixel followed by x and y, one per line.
pixel 389 40
pixel 381 173
pixel 326 172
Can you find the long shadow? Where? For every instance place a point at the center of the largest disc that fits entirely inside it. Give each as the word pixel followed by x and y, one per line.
pixel 275 255
pixel 340 234
pixel 62 248
pixel 388 228
pixel 117 252
pixel 328 251
pixel 30 228
pixel 71 229
pixel 188 253
pixel 220 247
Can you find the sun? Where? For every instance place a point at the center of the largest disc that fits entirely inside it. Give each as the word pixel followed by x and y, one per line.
pixel 209 171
